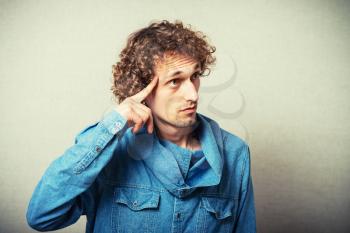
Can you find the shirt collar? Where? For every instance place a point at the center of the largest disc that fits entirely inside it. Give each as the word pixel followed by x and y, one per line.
pixel 164 166
pixel 212 143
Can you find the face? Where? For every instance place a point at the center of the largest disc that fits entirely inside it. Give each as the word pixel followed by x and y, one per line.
pixel 174 100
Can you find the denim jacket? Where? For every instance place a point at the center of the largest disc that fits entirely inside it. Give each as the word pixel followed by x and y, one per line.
pixel 125 182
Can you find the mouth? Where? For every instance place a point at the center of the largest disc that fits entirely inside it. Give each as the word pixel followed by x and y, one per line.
pixel 191 109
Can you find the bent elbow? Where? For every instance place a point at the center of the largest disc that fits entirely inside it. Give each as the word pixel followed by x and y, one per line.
pixel 35 223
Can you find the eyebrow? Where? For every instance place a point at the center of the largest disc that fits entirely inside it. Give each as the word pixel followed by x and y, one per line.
pixel 180 72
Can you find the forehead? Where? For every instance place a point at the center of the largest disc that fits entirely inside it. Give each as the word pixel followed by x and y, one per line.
pixel 173 64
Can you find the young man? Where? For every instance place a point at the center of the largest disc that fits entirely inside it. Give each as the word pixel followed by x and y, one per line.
pixel 153 164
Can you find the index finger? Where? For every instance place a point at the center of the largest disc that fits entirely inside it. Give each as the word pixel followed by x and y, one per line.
pixel 140 96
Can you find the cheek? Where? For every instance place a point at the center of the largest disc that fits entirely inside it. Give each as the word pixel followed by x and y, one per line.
pixel 167 106
pixel 159 103
pixel 163 102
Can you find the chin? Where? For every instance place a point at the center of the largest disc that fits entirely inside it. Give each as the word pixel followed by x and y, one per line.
pixel 186 122
pixel 179 121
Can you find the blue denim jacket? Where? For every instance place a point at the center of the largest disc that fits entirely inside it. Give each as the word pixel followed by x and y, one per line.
pixel 125 182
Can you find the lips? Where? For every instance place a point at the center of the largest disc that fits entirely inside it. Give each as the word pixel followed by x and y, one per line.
pixel 189 109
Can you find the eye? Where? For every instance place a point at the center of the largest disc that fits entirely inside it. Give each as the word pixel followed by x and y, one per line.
pixel 195 76
pixel 174 82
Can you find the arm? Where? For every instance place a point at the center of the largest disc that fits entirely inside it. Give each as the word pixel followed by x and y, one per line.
pixel 246 221
pixel 58 199
pixel 69 182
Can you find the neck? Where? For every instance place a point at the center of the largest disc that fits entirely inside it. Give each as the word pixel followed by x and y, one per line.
pixel 181 136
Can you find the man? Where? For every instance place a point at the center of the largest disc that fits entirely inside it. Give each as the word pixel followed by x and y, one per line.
pixel 152 164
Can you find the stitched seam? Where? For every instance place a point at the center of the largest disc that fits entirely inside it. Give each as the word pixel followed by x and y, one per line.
pixel 114 183
pixel 219 195
pixel 92 154
pixel 244 165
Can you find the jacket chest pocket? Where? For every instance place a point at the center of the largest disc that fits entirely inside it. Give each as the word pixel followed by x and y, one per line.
pixel 216 214
pixel 135 209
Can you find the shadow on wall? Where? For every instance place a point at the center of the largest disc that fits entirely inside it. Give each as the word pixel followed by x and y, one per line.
pixel 222 98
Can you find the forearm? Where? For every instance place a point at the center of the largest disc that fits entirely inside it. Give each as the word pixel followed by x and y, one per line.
pixel 58 199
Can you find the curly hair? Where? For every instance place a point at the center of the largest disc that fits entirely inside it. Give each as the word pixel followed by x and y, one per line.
pixel 147 46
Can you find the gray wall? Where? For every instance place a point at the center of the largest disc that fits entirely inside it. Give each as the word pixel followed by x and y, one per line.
pixel 282 82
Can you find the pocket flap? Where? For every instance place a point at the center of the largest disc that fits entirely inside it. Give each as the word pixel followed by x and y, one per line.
pixel 220 207
pixel 136 198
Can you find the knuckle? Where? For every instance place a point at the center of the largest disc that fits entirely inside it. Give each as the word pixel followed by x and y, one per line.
pixel 145 118
pixel 129 112
pixel 138 120
pixel 126 100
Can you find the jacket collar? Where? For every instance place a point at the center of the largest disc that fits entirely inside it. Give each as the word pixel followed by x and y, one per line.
pixel 163 165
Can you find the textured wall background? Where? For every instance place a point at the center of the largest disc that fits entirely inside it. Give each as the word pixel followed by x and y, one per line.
pixel 282 82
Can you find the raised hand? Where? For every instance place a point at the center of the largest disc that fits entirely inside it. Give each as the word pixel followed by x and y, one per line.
pixel 135 112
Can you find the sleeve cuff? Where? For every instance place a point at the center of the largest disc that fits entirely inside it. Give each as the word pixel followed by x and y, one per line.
pixel 114 122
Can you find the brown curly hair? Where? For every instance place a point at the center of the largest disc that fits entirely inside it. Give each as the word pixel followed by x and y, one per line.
pixel 148 45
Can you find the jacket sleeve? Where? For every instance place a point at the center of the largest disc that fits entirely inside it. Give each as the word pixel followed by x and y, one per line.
pixel 246 220
pixel 69 182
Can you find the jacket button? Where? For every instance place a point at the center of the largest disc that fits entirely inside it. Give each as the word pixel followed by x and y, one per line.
pixel 98 149
pixel 118 126
pixel 135 203
pixel 115 127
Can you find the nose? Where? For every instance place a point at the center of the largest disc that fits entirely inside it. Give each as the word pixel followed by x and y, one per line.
pixel 190 91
